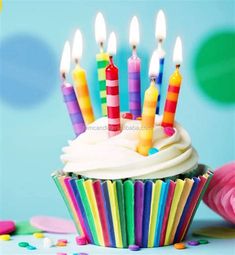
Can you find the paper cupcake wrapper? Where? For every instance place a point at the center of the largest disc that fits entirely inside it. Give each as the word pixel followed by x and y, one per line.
pixel 149 213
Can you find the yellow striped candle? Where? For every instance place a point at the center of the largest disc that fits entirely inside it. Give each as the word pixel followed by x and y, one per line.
pixel 149 109
pixel 82 93
pixel 80 81
pixel 173 88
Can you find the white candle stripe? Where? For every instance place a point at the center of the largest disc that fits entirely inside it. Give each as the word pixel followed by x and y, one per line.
pixel 113 121
pixel 110 83
pixel 112 100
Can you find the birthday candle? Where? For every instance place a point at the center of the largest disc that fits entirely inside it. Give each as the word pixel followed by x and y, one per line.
pixel 160 34
pixel 149 109
pixel 102 60
pixel 112 89
pixel 173 88
pixel 69 94
pixel 134 71
pixel 80 82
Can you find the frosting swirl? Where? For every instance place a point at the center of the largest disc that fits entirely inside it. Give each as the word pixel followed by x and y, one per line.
pixel 95 155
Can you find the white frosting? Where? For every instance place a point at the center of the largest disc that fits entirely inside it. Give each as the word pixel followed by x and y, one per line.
pixel 95 155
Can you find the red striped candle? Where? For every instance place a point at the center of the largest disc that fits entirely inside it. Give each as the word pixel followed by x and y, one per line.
pixel 112 91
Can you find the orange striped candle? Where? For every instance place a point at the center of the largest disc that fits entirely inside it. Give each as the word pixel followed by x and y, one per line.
pixel 149 109
pixel 173 88
pixel 80 81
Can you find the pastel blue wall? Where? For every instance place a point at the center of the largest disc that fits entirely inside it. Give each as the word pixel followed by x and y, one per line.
pixel 34 121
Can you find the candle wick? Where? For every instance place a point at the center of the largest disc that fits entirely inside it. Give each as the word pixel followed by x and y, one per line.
pixel 134 50
pixel 76 60
pixel 101 47
pixel 111 59
pixel 177 66
pixel 153 79
pixel 63 76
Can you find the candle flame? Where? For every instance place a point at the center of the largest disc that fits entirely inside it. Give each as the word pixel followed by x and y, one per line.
pixel 154 65
pixel 160 30
pixel 177 54
pixel 134 35
pixel 112 44
pixel 65 59
pixel 100 28
pixel 77 46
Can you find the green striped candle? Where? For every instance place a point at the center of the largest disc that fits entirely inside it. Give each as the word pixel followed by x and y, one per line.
pixel 102 60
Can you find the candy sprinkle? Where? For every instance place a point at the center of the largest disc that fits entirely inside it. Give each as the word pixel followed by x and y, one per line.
pixel 193 243
pixel 127 115
pixel 179 246
pixel 133 247
pixel 23 244
pixel 38 235
pixel 61 253
pixel 203 241
pixel 152 151
pixel 81 240
pixel 47 243
pixel 5 237
pixel 30 247
pixel 62 241
pixel 61 244
pixel 169 131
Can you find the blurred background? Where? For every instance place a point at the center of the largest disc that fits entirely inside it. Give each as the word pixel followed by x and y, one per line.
pixel 34 121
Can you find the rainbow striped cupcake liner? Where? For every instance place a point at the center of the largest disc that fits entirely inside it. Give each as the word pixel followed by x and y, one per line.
pixel 149 213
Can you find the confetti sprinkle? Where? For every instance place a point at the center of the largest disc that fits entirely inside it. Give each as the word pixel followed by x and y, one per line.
pixel 81 240
pixel 47 243
pixel 193 243
pixel 23 244
pixel 5 237
pixel 203 241
pixel 30 247
pixel 133 247
pixel 38 235
pixel 179 246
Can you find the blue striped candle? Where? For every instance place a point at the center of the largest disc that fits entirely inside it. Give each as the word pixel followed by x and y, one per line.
pixel 159 83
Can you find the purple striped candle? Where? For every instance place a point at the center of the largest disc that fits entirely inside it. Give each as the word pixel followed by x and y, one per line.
pixel 73 108
pixel 134 85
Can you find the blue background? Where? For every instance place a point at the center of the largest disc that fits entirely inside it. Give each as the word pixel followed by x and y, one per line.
pixel 34 122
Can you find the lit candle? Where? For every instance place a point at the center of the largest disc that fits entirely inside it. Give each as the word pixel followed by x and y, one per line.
pixel 160 34
pixel 102 60
pixel 112 89
pixel 69 93
pixel 149 109
pixel 173 88
pixel 80 81
pixel 134 71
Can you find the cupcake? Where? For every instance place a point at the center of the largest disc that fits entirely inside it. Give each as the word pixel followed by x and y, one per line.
pixel 129 180
pixel 118 197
